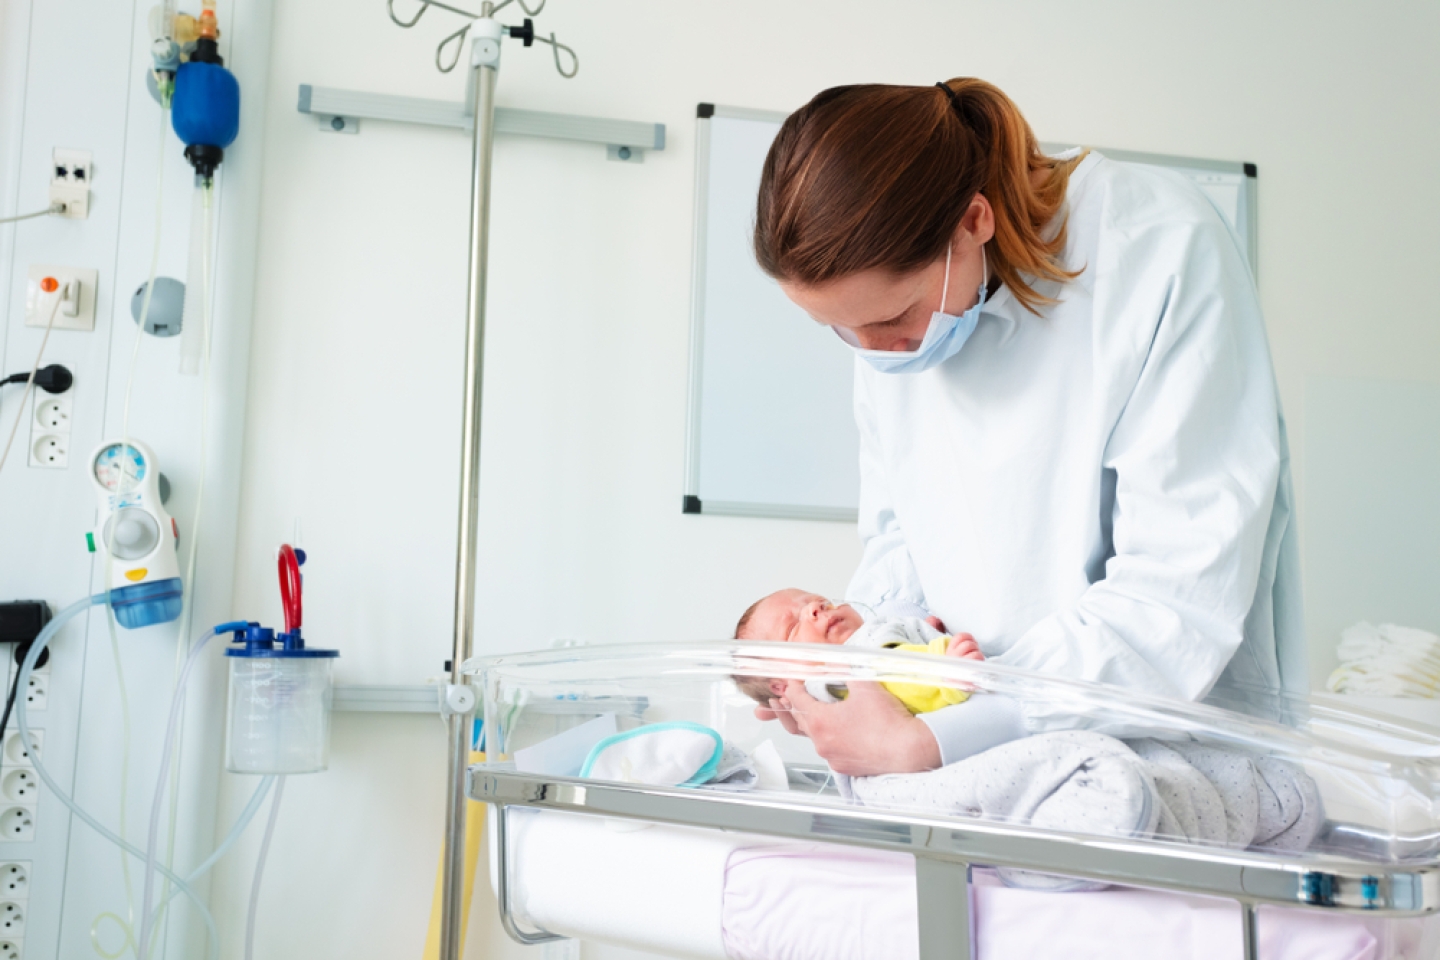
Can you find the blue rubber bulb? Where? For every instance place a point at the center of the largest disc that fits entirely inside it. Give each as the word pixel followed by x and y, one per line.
pixel 206 108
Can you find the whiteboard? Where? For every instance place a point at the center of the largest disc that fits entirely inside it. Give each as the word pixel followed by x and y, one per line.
pixel 771 431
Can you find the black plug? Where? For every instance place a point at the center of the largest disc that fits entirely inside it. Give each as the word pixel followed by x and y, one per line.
pixel 20 623
pixel 52 379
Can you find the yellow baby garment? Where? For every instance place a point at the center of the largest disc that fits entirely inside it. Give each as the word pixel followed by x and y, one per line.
pixel 923 697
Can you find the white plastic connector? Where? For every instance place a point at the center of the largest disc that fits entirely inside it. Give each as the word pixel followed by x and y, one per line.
pixel 457 698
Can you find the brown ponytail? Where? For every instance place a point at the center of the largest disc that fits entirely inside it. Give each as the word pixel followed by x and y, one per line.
pixel 880 176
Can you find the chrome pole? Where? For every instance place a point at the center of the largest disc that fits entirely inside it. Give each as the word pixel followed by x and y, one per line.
pixel 485 67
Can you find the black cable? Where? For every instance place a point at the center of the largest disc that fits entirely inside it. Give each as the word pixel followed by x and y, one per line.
pixel 9 703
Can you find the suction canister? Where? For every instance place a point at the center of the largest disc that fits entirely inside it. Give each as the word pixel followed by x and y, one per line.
pixel 280 694
pixel 280 689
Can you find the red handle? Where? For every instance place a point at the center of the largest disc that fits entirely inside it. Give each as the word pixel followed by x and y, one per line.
pixel 290 587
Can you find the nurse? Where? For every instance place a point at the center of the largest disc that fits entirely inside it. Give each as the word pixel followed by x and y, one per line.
pixel 1070 438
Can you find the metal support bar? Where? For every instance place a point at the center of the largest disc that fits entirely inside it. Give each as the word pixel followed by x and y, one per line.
pixel 942 892
pixel 1356 886
pixel 485 67
pixel 1249 931
pixel 502 883
pixel 415 698
pixel 351 105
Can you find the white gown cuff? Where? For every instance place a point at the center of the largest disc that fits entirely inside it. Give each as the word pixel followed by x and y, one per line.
pixel 985 720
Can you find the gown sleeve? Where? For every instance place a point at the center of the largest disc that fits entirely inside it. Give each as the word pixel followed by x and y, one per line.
pixel 1195 460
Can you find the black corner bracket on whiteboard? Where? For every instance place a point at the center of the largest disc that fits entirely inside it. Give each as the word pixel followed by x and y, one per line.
pixel 691 504
pixel 704 111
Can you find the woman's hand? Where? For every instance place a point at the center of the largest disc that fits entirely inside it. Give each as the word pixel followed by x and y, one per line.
pixel 867 733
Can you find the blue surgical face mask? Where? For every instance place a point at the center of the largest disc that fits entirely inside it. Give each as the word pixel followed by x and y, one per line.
pixel 944 337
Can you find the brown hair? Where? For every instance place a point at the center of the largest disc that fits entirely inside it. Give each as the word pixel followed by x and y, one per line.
pixel 880 176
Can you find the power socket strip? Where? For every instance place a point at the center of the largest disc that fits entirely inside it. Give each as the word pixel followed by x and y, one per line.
pixel 14 894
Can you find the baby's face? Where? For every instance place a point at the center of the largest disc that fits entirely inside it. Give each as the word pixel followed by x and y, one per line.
pixel 795 616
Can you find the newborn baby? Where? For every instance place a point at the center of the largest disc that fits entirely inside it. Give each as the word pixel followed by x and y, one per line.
pixel 794 616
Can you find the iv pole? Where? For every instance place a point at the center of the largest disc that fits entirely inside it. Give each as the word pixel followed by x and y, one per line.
pixel 484 68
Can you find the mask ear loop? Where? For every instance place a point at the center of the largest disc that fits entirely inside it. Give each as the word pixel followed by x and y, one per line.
pixel 945 288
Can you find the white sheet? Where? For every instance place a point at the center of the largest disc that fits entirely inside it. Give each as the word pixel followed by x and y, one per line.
pixel 658 889
pixel 688 893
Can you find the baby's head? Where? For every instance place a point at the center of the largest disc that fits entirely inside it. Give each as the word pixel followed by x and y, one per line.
pixel 792 616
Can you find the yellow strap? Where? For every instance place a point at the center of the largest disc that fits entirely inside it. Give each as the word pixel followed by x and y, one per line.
pixel 474 828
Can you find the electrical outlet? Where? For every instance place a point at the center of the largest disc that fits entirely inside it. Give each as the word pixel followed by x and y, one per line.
pixel 12 920
pixel 50 450
pixel 9 951
pixel 74 287
pixel 15 749
pixel 70 175
pixel 52 413
pixel 14 881
pixel 36 693
pixel 17 825
pixel 19 786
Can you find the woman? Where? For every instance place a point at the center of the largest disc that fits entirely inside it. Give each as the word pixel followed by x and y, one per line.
pixel 1071 444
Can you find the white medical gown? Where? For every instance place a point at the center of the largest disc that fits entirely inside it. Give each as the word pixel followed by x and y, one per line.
pixel 1103 491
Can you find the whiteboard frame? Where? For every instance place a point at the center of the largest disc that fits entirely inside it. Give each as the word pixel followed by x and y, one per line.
pixel 691 502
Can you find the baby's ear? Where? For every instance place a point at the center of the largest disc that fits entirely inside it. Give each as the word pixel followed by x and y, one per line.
pixel 777 687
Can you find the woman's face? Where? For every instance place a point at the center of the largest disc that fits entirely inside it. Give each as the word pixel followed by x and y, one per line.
pixel 886 311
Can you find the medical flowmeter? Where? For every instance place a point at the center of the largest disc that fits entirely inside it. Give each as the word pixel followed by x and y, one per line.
pixel 136 534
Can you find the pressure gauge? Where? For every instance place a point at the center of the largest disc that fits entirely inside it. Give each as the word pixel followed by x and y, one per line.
pixel 111 466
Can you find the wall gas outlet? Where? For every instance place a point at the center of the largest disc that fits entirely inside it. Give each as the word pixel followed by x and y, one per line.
pixel 70 173
pixel 76 294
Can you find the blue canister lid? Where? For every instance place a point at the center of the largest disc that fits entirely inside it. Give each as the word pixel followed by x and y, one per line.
pixel 257 641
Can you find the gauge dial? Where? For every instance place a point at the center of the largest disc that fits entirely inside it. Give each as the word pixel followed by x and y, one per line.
pixel 111 466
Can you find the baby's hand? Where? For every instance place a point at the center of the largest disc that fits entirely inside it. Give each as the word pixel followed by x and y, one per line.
pixel 963 645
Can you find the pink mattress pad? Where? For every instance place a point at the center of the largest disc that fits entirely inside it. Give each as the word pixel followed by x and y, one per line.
pixel 821 902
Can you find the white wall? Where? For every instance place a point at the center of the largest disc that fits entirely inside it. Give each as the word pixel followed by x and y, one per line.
pixel 355 387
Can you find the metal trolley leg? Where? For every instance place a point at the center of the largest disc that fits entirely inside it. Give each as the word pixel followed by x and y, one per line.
pixel 507 914
pixel 1250 931
pixel 942 892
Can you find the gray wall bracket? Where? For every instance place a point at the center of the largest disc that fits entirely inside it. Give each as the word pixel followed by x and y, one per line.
pixel 340 111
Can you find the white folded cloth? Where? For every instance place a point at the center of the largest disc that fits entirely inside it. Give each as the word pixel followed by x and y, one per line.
pixel 1387 661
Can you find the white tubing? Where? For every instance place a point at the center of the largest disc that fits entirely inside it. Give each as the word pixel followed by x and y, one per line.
pixel 23 728
pixel 177 700
pixel 192 324
pixel 260 869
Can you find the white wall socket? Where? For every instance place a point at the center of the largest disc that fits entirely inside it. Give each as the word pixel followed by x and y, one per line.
pixel 15 749
pixel 70 174
pixel 9 950
pixel 37 692
pixel 50 450
pixel 52 412
pixel 76 294
pixel 17 825
pixel 20 786
pixel 14 881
